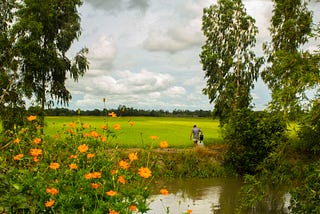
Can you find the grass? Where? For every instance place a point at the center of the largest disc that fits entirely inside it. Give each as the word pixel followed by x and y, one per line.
pixel 176 131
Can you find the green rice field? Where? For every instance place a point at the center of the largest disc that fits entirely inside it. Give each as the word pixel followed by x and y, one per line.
pixel 136 132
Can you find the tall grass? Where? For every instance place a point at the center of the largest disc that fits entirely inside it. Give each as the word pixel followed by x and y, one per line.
pixel 135 132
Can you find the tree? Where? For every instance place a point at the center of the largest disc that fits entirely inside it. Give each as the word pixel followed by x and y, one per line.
pixel 45 30
pixel 227 58
pixel 11 102
pixel 6 18
pixel 291 70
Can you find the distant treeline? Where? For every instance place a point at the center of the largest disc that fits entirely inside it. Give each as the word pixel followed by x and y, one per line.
pixel 124 111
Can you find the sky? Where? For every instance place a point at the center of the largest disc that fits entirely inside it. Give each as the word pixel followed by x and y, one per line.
pixel 145 54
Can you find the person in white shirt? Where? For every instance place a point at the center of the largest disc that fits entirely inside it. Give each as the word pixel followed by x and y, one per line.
pixel 195 134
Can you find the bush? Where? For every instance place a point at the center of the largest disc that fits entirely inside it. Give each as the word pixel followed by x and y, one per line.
pixel 73 173
pixel 306 196
pixel 309 133
pixel 251 136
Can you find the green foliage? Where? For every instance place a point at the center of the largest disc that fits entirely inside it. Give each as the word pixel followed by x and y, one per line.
pixel 288 169
pixel 305 197
pixel 76 173
pixel 130 111
pixel 81 163
pixel 251 137
pixel 266 188
pixel 292 71
pixel 12 107
pixel 252 192
pixel 309 132
pixel 227 58
pixel 200 163
pixel 11 103
pixel 44 31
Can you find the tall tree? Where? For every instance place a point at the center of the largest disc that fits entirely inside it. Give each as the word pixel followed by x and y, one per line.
pixel 45 31
pixel 11 102
pixel 230 65
pixel 6 17
pixel 291 70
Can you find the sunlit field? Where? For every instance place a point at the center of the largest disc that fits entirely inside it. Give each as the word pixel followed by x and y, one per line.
pixel 136 132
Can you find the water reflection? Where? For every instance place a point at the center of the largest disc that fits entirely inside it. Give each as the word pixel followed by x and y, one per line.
pixel 199 195
pixel 202 196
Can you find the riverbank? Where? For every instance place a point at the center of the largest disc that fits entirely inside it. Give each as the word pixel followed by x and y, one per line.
pixel 200 162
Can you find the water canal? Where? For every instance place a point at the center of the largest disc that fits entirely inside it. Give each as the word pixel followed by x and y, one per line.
pixel 202 196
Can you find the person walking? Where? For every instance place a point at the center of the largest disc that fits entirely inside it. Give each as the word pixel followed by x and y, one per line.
pixel 195 134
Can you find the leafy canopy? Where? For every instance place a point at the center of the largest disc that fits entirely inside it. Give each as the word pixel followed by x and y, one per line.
pixel 45 31
pixel 227 58
pixel 291 70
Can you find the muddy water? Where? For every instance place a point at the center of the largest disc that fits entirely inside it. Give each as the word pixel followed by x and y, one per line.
pixel 202 196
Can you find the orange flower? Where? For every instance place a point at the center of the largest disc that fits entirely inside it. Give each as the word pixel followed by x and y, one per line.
pixel 72 124
pixel 114 171
pixel 164 191
pixel 133 156
pixel 189 211
pixel 90 156
pixel 95 185
pixel 113 212
pixel 71 131
pixel 103 139
pixel 88 176
pixel 37 140
pixel 49 203
pixel 117 127
pixel 133 207
pixel 111 193
pixel 35 152
pixel 94 134
pixel 103 126
pixel 96 175
pixel 73 166
pixel 124 164
pixel 35 159
pixel 17 140
pixel 154 137
pixel 163 144
pixel 54 165
pixel 83 148
pixel 57 136
pixel 121 179
pixel 74 156
pixel 52 191
pixel 131 123
pixel 112 114
pixel 86 125
pixel 31 118
pixel 86 135
pixel 144 172
pixel 18 157
pixel 93 175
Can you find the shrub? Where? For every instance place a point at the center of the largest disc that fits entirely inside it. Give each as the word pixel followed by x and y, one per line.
pixel 309 133
pixel 251 136
pixel 305 197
